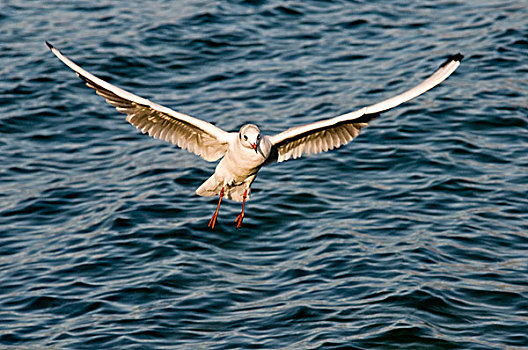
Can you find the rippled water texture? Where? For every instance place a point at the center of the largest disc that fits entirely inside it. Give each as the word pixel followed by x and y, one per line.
pixel 413 236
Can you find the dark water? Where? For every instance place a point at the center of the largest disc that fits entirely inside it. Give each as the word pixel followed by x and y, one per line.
pixel 413 236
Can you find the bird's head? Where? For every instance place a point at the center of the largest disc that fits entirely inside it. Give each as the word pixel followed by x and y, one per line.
pixel 249 136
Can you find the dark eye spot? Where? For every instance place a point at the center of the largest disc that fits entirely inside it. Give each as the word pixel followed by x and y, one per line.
pixel 245 137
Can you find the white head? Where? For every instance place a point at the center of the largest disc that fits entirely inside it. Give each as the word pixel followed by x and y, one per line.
pixel 249 136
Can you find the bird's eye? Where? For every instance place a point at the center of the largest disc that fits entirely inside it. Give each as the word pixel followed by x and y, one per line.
pixel 245 137
pixel 258 137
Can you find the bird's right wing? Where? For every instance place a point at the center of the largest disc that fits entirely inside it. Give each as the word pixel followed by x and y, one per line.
pixel 331 133
pixel 195 135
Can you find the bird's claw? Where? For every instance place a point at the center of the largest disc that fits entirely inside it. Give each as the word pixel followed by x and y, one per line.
pixel 212 222
pixel 239 219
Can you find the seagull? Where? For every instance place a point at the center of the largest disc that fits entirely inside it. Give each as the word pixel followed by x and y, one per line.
pixel 245 152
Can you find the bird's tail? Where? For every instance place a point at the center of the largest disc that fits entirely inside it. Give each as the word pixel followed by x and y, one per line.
pixel 211 187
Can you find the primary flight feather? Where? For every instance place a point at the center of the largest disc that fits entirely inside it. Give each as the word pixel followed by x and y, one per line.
pixel 244 152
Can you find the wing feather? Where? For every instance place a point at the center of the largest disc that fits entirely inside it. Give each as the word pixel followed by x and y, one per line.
pixel 332 133
pixel 189 133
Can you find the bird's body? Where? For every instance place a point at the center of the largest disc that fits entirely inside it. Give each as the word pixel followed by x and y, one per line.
pixel 237 170
pixel 245 152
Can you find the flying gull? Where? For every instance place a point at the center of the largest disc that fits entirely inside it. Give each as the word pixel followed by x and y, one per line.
pixel 244 152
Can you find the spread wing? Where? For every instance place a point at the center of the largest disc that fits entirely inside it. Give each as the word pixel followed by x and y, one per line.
pixel 195 135
pixel 332 133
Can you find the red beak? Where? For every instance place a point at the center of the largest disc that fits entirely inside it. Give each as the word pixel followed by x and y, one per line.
pixel 254 146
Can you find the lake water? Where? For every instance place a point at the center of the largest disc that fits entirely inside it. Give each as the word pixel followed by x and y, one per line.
pixel 413 236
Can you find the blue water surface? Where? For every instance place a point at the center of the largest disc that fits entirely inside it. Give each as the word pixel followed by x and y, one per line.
pixel 413 236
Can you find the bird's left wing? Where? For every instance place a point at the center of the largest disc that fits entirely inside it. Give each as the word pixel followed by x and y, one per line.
pixel 193 134
pixel 332 133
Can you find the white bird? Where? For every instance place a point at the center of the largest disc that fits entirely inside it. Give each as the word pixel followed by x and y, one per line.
pixel 246 151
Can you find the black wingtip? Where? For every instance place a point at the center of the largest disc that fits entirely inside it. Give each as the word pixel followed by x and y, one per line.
pixel 49 45
pixel 456 57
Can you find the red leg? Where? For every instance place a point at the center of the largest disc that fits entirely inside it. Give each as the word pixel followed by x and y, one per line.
pixel 212 222
pixel 241 215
